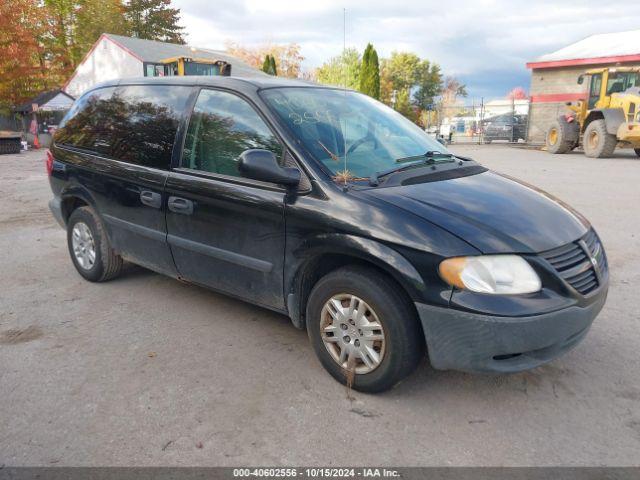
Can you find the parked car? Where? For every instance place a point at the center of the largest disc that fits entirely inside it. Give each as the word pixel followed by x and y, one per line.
pixel 330 208
pixel 505 127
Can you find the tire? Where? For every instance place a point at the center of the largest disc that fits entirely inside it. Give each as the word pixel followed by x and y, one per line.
pixel 106 263
pixel 597 143
pixel 637 150
pixel 561 136
pixel 379 299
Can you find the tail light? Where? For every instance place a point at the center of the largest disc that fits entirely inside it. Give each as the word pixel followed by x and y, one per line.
pixel 49 162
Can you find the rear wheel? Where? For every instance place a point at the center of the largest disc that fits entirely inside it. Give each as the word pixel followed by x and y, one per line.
pixel 89 247
pixel 561 136
pixel 363 329
pixel 597 143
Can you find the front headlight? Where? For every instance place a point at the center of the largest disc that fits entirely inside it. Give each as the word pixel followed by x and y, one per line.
pixel 497 274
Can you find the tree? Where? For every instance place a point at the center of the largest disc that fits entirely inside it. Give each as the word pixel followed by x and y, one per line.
pixel 29 61
pixel 370 73
pixel 287 57
pixel 341 70
pixel 61 16
pixel 95 17
pixel 403 105
pixel 416 83
pixel 274 69
pixel 517 93
pixel 401 69
pixel 451 90
pixel 269 65
pixel 154 20
pixel 428 85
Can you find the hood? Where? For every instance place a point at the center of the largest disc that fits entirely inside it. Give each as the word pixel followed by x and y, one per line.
pixel 492 212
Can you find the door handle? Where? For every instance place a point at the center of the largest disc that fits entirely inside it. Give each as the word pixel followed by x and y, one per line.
pixel 151 199
pixel 180 205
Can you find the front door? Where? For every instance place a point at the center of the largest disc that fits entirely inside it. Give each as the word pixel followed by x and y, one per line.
pixel 594 90
pixel 225 231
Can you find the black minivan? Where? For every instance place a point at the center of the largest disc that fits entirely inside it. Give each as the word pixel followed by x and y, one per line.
pixel 327 206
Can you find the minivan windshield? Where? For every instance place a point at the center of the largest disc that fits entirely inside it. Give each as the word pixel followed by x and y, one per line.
pixel 336 125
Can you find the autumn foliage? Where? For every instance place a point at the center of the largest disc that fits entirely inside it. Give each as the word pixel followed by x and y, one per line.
pixel 518 93
pixel 30 62
pixel 43 41
pixel 287 57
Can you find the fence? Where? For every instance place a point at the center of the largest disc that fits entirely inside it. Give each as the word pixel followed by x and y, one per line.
pixel 497 120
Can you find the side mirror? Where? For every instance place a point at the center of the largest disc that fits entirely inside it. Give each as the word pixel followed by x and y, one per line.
pixel 263 165
pixel 580 79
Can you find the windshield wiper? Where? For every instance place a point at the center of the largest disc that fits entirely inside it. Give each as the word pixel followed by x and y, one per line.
pixel 427 158
pixel 430 154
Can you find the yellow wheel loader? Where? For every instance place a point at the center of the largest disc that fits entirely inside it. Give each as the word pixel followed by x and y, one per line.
pixel 197 66
pixel 608 117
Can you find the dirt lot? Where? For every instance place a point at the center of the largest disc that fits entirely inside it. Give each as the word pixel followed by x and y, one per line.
pixel 147 371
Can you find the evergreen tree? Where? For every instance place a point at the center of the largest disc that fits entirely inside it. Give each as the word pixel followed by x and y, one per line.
pixel 269 65
pixel 154 20
pixel 266 65
pixel 370 73
pixel 274 70
pixel 375 65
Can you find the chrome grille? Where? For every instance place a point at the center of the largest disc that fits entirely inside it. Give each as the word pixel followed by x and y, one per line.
pixel 573 262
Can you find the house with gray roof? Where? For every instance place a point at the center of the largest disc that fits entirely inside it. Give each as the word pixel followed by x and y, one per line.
pixel 116 56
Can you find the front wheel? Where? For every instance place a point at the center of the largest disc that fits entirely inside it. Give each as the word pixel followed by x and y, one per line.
pixel 562 136
pixel 597 143
pixel 364 329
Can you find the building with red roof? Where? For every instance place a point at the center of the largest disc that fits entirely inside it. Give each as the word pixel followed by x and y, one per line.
pixel 554 75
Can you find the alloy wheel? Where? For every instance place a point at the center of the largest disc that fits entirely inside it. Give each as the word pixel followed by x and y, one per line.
pixel 84 248
pixel 352 333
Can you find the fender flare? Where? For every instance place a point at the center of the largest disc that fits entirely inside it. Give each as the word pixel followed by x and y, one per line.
pixel 371 251
pixel 613 118
pixel 76 191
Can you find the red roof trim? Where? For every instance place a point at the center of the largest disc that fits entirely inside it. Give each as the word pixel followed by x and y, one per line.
pixel 557 97
pixel 84 59
pixel 585 61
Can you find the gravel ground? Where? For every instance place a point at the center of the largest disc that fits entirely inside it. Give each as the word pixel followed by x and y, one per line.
pixel 145 370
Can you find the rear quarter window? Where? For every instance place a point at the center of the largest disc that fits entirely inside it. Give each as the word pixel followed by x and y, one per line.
pixel 135 124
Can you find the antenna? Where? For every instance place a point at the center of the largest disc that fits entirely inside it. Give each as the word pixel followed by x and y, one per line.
pixel 344 82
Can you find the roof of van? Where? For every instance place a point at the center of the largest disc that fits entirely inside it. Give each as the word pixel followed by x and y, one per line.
pixel 216 80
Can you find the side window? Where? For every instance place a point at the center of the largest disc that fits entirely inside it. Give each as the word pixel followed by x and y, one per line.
pixel 222 126
pixel 83 126
pixel 142 123
pixel 135 124
pixel 594 91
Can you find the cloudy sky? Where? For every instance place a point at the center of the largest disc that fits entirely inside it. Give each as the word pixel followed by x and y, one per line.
pixel 485 43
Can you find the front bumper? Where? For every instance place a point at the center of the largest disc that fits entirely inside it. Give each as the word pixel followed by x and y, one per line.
pixel 458 340
pixel 629 132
